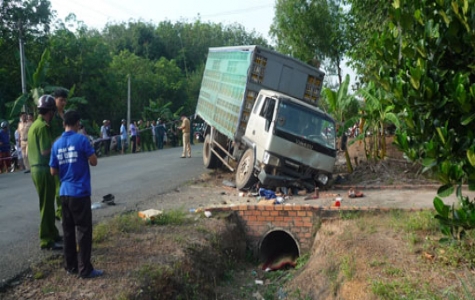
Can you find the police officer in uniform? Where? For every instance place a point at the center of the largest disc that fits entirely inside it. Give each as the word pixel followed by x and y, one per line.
pixel 40 141
pixel 60 97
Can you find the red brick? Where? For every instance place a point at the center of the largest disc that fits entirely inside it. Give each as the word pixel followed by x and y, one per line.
pixel 275 213
pixel 242 207
pixel 265 213
pixel 246 213
pixel 292 213
pixel 278 219
pixel 269 219
pixel 301 213
pixel 254 223
pixel 288 219
pixel 283 225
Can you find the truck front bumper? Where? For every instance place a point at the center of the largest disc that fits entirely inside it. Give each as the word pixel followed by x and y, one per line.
pixel 276 180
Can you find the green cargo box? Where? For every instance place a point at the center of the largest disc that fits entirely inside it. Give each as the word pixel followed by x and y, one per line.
pixel 234 76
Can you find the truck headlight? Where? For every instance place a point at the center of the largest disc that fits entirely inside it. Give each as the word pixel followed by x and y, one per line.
pixel 270 159
pixel 322 178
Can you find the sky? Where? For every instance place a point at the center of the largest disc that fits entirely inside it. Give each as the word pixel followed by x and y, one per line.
pixel 252 14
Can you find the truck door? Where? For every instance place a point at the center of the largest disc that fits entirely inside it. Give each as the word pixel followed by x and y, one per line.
pixel 263 128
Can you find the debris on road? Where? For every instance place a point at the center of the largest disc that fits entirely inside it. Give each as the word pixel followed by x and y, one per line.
pixel 150 214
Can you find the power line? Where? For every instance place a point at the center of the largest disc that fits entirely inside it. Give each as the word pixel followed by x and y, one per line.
pixel 237 11
pixel 131 12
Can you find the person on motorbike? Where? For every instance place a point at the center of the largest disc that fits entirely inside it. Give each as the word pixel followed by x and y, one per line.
pixel 4 147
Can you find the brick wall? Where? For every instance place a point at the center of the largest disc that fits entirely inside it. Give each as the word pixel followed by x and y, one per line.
pixel 299 220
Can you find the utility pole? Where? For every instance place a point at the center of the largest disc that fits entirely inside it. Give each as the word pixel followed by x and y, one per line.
pixel 128 101
pixel 184 56
pixel 22 61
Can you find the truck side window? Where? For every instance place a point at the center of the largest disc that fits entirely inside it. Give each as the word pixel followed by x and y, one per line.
pixel 268 111
pixel 257 104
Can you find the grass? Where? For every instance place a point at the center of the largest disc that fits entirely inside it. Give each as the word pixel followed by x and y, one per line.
pixel 131 223
pixel 348 266
pixel 212 261
pixel 120 224
pixel 172 217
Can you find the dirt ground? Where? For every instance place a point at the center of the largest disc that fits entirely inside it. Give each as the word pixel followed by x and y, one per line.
pixel 206 259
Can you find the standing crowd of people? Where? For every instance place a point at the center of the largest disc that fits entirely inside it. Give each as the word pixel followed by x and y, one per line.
pixel 57 152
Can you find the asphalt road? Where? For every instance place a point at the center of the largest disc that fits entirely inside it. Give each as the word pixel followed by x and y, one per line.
pixel 133 179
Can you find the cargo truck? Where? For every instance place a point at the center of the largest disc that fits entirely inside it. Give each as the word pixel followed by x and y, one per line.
pixel 262 120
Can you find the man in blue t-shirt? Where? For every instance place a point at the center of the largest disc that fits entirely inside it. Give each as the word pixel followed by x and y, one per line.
pixel 70 158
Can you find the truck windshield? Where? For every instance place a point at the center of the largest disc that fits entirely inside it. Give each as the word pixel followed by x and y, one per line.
pixel 305 123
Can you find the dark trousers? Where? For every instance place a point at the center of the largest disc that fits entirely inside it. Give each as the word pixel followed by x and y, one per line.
pixel 77 218
pixel 160 141
pixel 107 146
pixel 133 141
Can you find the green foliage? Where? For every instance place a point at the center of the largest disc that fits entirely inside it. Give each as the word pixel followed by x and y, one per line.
pixel 24 17
pixel 338 103
pixel 427 68
pixel 312 31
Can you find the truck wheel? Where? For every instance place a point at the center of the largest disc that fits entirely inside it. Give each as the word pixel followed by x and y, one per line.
pixel 245 171
pixel 209 158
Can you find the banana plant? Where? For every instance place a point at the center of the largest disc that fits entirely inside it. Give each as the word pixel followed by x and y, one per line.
pixel 338 104
pixel 156 110
pixel 378 114
pixel 37 86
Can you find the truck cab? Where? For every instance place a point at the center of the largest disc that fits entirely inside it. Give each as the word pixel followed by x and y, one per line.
pixel 288 142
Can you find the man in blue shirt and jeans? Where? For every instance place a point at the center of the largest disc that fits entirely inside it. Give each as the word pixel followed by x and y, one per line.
pixel 70 158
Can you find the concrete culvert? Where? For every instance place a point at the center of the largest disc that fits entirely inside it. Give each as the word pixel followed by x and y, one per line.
pixel 278 250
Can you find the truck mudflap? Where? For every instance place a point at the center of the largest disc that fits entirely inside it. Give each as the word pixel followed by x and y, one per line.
pixel 282 180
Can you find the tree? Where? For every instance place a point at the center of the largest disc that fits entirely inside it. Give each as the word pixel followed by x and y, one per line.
pixel 29 20
pixel 82 59
pixel 23 18
pixel 312 31
pixel 426 62
pixel 366 18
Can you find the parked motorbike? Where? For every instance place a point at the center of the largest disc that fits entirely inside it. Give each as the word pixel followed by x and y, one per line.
pixel 14 159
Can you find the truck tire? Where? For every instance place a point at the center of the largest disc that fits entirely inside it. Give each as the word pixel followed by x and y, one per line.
pixel 245 171
pixel 209 158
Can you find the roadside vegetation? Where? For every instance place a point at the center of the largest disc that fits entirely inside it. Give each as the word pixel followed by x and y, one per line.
pixel 371 255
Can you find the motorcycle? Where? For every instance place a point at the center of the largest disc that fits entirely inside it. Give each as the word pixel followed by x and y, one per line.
pixel 14 159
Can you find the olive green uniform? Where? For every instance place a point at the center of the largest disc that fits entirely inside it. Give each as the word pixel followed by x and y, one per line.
pixel 57 129
pixel 40 139
pixel 145 137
